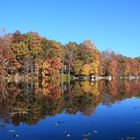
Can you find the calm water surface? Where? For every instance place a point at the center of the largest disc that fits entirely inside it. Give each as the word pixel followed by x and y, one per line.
pixel 71 111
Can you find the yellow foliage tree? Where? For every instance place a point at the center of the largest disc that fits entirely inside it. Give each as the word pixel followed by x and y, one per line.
pixel 86 69
pixel 94 66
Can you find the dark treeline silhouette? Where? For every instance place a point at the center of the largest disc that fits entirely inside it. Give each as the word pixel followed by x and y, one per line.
pixel 29 102
pixel 29 54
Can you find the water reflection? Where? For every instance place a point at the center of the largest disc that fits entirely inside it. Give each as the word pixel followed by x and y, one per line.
pixel 30 101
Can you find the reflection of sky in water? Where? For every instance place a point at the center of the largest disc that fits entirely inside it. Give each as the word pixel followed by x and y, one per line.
pixel 114 116
pixel 121 119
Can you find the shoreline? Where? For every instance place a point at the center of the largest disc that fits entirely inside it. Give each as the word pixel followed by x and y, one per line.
pixel 94 78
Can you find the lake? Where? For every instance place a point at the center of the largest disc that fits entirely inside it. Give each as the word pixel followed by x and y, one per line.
pixel 80 110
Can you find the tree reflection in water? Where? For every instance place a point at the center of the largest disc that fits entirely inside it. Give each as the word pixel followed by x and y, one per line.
pixel 30 101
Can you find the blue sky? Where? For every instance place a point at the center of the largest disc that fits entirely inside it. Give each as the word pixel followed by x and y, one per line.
pixel 110 24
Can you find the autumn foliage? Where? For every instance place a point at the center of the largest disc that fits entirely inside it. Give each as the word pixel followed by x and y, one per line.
pixel 31 54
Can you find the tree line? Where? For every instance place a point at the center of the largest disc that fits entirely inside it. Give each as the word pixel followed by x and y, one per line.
pixel 29 54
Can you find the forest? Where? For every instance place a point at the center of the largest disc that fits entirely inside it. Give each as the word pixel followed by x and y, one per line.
pixel 29 54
